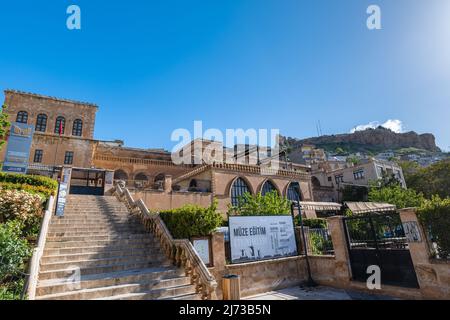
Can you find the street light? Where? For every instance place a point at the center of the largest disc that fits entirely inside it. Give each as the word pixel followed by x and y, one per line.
pixel 310 282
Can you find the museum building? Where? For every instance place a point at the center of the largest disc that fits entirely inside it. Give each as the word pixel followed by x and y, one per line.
pixel 64 136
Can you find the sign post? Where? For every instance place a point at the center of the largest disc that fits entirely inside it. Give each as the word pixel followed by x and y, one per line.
pixel 63 191
pixel 18 149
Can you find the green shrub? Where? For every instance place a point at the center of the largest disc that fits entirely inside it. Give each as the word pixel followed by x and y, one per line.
pixel 39 190
pixel 191 221
pixel 19 205
pixel 271 204
pixel 402 198
pixel 434 214
pixel 14 250
pixel 312 223
pixel 32 180
pixel 319 245
pixel 12 290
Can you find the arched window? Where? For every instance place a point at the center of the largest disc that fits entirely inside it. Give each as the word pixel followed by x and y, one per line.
pixel 193 183
pixel 293 192
pixel 315 182
pixel 77 128
pixel 41 122
pixel 60 125
pixel 141 177
pixel 159 177
pixel 120 175
pixel 22 117
pixel 238 189
pixel 268 187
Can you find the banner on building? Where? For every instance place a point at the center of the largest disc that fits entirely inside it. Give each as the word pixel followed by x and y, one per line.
pixel 18 150
pixel 254 238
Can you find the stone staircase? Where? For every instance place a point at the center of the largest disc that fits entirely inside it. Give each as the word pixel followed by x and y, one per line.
pixel 115 258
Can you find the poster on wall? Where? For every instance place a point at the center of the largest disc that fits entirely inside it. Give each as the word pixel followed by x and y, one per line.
pixel 203 248
pixel 18 150
pixel 254 238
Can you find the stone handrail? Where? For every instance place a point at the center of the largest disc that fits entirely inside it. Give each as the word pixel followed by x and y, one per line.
pixel 157 162
pixel 179 251
pixel 33 269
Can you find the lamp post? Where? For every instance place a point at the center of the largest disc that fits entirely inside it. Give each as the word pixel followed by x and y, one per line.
pixel 310 282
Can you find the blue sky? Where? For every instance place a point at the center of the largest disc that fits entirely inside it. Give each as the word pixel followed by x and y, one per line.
pixel 154 66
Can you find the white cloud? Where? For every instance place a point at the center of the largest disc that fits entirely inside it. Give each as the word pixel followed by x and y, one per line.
pixel 392 124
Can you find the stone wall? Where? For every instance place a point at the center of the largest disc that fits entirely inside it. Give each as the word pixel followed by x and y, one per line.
pixel 334 270
pixel 160 200
pixel 49 142
pixel 35 104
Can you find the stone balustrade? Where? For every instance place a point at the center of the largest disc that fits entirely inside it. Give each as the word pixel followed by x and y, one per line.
pixel 179 251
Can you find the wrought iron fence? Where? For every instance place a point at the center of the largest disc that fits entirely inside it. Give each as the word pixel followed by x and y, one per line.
pixel 318 241
pixel 12 283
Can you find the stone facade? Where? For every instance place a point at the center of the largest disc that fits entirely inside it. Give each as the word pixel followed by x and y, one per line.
pixel 149 173
pixel 54 145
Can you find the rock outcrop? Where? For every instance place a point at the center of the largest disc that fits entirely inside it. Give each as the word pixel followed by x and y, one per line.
pixel 378 139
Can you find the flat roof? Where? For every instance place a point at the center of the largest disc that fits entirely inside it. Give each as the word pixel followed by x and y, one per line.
pixel 35 95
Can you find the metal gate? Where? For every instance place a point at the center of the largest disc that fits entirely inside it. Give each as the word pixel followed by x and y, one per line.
pixel 379 239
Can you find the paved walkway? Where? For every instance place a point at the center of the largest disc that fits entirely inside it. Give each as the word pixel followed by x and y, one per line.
pixel 316 293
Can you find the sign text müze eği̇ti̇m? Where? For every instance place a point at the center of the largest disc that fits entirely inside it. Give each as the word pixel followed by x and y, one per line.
pixel 255 238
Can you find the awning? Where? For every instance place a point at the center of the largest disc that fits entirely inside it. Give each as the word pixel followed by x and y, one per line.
pixel 320 206
pixel 365 207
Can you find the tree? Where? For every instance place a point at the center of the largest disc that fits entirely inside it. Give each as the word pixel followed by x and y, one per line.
pixel 269 204
pixel 432 180
pixel 395 194
pixel 4 125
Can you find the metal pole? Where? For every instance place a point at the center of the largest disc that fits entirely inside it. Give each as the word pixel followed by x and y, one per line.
pixel 310 282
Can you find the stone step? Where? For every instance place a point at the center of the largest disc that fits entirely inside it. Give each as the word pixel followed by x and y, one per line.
pixel 193 296
pixel 84 215
pixel 100 255
pixel 105 243
pixel 110 237
pixel 88 249
pixel 95 209
pixel 163 276
pixel 64 220
pixel 111 292
pixel 69 272
pixel 157 294
pixel 111 231
pixel 67 230
pixel 101 262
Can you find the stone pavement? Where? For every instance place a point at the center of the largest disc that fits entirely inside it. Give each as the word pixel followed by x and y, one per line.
pixel 316 293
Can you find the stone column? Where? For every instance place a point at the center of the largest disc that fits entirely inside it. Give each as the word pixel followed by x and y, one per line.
pixel 218 250
pixel 219 260
pixel 342 264
pixel 420 256
pixel 167 183
pixel 420 252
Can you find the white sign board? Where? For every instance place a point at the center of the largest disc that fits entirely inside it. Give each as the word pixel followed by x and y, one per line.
pixel 202 248
pixel 255 238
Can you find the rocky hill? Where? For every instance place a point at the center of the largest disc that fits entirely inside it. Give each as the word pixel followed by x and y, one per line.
pixel 370 140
